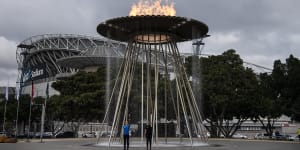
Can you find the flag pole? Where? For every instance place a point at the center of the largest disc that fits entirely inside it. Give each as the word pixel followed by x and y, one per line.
pixel 31 101
pixel 4 115
pixel 28 132
pixel 18 105
pixel 16 134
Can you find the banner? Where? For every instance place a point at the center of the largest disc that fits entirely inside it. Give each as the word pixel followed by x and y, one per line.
pixel 34 73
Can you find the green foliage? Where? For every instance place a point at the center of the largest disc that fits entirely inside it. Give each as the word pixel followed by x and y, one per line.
pixel 82 97
pixel 279 93
pixel 228 91
pixel 287 86
pixel 24 107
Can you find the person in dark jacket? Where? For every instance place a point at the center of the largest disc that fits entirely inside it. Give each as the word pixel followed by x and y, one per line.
pixel 148 133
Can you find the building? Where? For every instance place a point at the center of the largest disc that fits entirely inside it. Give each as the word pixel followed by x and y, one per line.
pixel 50 57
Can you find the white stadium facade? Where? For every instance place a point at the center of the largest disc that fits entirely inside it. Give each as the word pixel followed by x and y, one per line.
pixel 47 58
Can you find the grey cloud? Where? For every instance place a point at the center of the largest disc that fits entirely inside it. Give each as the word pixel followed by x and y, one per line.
pixel 267 29
pixel 8 75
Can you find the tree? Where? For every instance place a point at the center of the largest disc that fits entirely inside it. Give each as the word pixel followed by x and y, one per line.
pixel 291 93
pixel 269 105
pixel 82 98
pixel 228 93
pixel 279 93
pixel 23 115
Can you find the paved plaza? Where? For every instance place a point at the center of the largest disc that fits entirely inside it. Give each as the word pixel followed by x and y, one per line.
pixel 88 144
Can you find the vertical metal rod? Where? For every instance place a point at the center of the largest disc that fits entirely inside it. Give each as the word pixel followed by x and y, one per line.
pixel 127 78
pixel 120 93
pixel 17 118
pixel 147 82
pixel 176 105
pixel 142 99
pixel 112 93
pixel 180 88
pixel 110 99
pixel 194 107
pixel 156 87
pixel 4 116
pixel 165 56
pixel 19 90
pixel 170 49
pixel 6 99
pixel 29 120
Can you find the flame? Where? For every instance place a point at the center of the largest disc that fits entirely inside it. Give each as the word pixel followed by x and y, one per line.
pixel 148 7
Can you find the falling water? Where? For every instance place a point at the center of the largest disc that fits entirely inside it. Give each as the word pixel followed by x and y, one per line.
pixel 196 71
pixel 108 78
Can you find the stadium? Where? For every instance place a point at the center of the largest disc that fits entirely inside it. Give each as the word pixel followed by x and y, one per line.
pixel 50 57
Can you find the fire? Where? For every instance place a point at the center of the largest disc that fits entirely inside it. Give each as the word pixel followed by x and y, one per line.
pixel 148 7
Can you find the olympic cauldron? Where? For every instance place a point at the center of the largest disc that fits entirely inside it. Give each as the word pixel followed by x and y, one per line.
pixel 152 41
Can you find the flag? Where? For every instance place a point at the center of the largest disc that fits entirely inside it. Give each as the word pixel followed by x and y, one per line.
pixel 32 91
pixel 17 93
pixel 47 90
pixel 6 91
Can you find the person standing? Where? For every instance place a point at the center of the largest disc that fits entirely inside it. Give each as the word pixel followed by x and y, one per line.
pixel 126 128
pixel 148 133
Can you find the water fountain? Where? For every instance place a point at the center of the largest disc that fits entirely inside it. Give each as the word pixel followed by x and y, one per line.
pixel 152 38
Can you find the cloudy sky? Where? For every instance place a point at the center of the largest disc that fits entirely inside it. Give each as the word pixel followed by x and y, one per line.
pixel 260 30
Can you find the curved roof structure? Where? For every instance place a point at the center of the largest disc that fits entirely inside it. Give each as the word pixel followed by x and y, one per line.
pixel 99 55
pixel 125 28
pixel 81 62
pixel 50 49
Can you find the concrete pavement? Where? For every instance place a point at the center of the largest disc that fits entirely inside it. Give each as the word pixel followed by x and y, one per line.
pixel 89 144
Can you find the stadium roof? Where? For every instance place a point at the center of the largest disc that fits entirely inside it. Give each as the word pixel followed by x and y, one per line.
pixel 80 62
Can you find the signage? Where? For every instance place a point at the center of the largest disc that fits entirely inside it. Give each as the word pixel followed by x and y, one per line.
pixel 34 73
